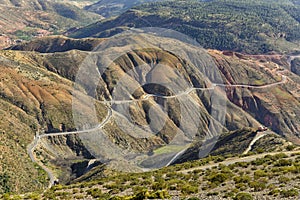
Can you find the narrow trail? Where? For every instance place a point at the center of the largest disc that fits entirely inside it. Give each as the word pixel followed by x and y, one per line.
pixel 214 85
pixel 31 147
pixel 175 157
pixel 255 139
pixel 30 151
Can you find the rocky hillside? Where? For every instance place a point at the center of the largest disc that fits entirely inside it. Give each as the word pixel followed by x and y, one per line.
pixel 32 98
pixel 168 102
pixel 215 24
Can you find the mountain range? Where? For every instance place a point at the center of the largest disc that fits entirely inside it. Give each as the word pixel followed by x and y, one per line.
pixel 154 93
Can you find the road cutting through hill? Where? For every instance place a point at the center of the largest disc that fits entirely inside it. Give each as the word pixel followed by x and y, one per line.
pixel 255 139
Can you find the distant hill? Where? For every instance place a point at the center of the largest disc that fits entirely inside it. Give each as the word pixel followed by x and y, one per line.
pixel 254 26
pixel 27 19
pixel 53 44
pixel 110 8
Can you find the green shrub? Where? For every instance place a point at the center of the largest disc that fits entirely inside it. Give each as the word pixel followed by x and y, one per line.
pixel 189 189
pixel 242 179
pixel 75 190
pixel 95 192
pixel 274 192
pixel 159 185
pixel 218 178
pixel 283 179
pixel 290 147
pixel 79 196
pixel 279 156
pixel 145 194
pixel 289 193
pixel 219 159
pixel 242 164
pixel 162 194
pixel 260 150
pixel 243 196
pixel 261 161
pixel 283 162
pixel 6 196
pixel 259 173
pixel 241 186
pixel 257 186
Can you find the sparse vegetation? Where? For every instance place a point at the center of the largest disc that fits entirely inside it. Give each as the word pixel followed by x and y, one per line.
pixel 36 93
pixel 194 184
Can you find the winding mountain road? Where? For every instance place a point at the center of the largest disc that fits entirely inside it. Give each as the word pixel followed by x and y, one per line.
pixel 283 80
pixel 146 97
pixel 255 139
pixel 291 58
pixel 37 138
pixel 31 147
